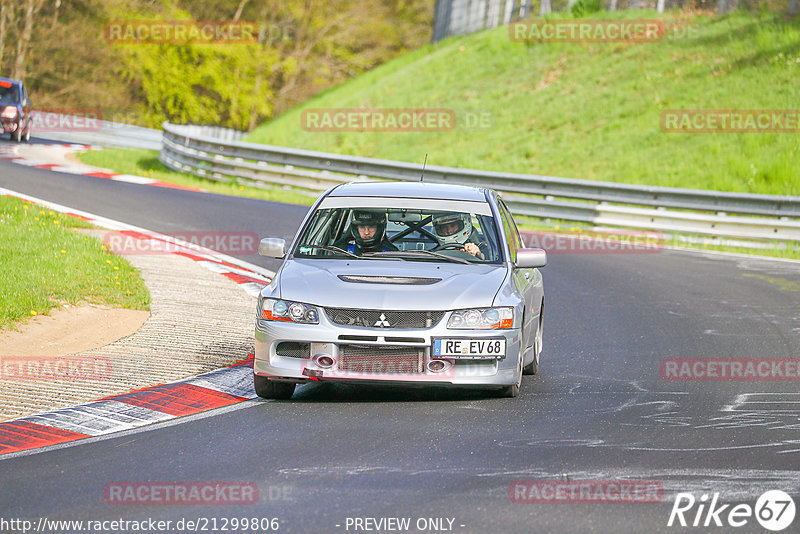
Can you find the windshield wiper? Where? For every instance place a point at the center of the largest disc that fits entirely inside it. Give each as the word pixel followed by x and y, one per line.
pixel 331 248
pixel 406 253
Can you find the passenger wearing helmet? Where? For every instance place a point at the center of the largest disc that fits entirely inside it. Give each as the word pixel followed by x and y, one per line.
pixel 367 233
pixel 455 231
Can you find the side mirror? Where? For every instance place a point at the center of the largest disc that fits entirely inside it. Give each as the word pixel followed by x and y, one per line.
pixel 531 257
pixel 272 247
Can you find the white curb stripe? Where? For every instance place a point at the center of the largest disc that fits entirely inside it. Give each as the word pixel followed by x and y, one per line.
pixel 99 417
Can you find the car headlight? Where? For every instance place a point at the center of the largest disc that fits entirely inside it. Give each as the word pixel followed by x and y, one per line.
pixel 285 310
pixel 481 318
pixel 9 112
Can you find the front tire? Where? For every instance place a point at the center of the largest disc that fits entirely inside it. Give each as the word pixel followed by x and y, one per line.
pixel 270 389
pixel 17 136
pixel 533 367
pixel 28 136
pixel 513 390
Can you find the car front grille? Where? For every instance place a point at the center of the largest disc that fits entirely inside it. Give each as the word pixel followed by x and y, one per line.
pixel 383 318
pixel 375 359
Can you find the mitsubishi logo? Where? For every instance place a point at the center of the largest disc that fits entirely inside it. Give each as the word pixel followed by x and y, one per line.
pixel 382 322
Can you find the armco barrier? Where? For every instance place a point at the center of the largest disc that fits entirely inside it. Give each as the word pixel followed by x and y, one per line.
pixel 712 213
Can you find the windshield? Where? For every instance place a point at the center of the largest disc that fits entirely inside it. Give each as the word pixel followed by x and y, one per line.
pixel 9 92
pixel 400 234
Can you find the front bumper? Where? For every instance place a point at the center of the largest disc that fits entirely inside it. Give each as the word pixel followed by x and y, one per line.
pixel 296 352
pixel 9 125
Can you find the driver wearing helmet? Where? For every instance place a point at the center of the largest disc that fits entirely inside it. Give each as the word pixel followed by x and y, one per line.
pixel 456 229
pixel 367 233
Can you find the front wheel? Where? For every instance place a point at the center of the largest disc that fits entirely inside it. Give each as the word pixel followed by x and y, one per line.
pixel 533 367
pixel 28 136
pixel 17 136
pixel 270 389
pixel 513 390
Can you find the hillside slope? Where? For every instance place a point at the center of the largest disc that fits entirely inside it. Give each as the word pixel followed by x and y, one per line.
pixel 586 110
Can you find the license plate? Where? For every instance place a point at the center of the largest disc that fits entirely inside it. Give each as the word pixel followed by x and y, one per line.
pixel 469 348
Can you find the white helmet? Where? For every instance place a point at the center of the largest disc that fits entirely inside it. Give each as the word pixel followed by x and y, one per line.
pixel 460 235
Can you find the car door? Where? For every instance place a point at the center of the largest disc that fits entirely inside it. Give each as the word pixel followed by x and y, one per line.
pixel 524 279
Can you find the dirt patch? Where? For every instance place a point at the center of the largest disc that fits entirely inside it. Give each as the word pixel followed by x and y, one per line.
pixel 71 329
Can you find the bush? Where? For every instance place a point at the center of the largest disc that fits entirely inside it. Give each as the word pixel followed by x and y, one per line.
pixel 581 8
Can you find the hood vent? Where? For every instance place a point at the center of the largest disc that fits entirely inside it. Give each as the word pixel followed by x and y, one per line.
pixel 398 280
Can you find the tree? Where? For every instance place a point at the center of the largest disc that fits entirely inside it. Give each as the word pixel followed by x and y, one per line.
pixel 30 9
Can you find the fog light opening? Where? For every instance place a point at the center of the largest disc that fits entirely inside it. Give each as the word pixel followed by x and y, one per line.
pixel 324 361
pixel 437 366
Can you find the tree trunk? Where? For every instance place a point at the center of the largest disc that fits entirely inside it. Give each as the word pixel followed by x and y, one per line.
pixel 3 13
pixel 55 14
pixel 722 7
pixel 544 8
pixel 611 6
pixel 524 9
pixel 239 10
pixel 509 8
pixel 793 7
pixel 31 8
pixel 660 6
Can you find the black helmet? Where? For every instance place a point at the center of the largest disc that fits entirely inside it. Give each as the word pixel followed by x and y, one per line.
pixel 371 218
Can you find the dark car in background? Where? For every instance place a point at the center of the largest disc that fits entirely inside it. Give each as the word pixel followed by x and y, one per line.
pixel 15 110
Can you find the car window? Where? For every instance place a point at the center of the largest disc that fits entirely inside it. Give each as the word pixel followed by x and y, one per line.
pixel 510 229
pixel 9 93
pixel 401 230
pixel 519 243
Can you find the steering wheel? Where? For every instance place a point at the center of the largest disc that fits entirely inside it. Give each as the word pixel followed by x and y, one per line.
pixel 451 246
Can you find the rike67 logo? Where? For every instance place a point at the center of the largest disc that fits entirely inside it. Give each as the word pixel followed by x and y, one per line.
pixel 774 510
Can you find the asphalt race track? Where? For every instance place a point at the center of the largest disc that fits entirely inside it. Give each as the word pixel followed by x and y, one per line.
pixel 598 409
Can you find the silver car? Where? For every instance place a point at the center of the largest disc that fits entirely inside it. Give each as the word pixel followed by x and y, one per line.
pixel 401 283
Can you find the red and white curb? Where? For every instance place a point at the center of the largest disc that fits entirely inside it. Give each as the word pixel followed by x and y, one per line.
pixel 154 404
pixel 11 153
pixel 223 387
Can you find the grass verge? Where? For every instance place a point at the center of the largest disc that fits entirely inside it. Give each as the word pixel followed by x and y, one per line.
pixel 45 263
pixel 584 110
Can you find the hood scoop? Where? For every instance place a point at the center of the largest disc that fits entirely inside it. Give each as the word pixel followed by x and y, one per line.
pixel 396 280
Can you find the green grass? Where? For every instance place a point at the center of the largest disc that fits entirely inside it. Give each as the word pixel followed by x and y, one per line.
pixel 583 110
pixel 140 162
pixel 46 263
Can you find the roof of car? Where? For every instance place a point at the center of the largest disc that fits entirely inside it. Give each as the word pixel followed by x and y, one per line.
pixel 410 190
pixel 11 80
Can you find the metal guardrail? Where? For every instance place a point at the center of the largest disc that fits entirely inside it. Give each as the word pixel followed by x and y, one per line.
pixel 106 133
pixel 740 215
